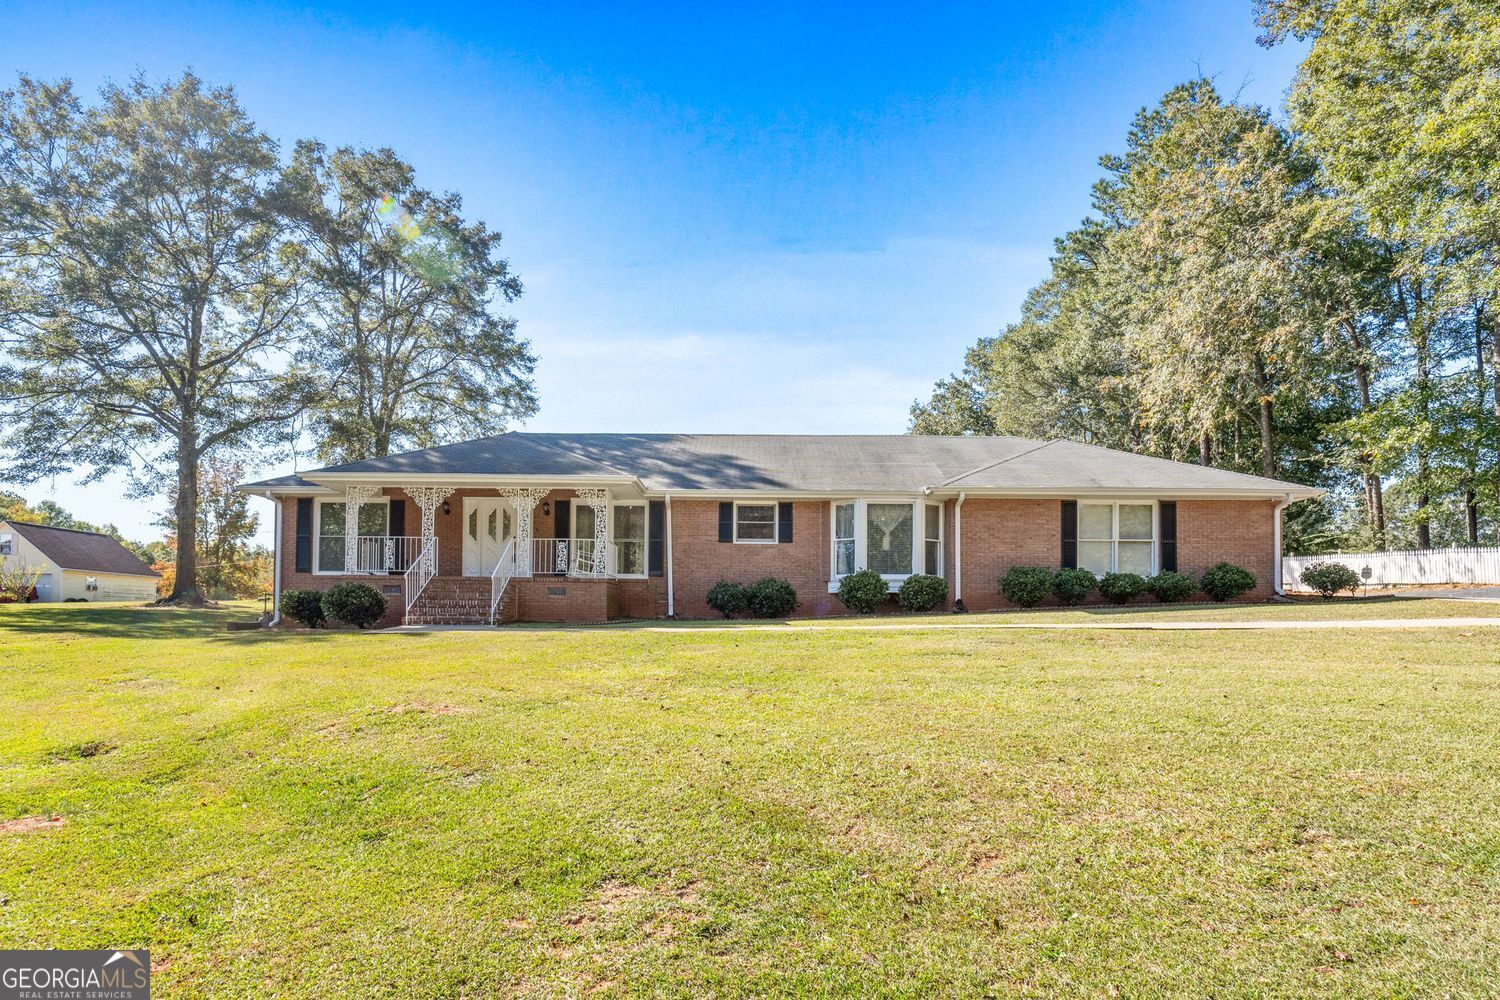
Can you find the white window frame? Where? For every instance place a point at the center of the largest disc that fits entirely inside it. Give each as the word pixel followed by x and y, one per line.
pixel 942 528
pixel 861 537
pixel 775 522
pixel 645 506
pixel 1114 529
pixel 7 544
pixel 318 535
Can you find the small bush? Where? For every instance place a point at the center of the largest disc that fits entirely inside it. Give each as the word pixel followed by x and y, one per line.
pixel 863 591
pixel 1171 587
pixel 304 607
pixel 729 599
pixel 771 598
pixel 1119 588
pixel 1027 586
pixel 1226 581
pixel 922 592
pixel 1328 578
pixel 1072 585
pixel 75 600
pixel 357 604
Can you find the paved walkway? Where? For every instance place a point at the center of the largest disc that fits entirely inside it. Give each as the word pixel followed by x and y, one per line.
pixel 1166 626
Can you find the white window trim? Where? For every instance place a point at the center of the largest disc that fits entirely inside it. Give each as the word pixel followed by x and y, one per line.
pixel 941 539
pixel 1114 528
pixel 861 538
pixel 775 523
pixel 318 535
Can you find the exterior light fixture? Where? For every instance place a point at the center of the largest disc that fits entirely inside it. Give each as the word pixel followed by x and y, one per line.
pixel 447 508
pixel 546 508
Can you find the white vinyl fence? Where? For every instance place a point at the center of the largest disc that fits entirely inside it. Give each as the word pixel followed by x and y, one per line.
pixel 1413 566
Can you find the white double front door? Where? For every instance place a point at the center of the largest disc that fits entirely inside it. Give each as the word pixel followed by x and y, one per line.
pixel 489 524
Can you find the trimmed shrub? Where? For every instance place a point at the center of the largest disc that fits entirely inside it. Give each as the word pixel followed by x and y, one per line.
pixel 1119 588
pixel 1226 581
pixel 1171 587
pixel 1328 578
pixel 922 592
pixel 304 607
pixel 357 604
pixel 1072 585
pixel 729 599
pixel 771 598
pixel 1027 586
pixel 863 591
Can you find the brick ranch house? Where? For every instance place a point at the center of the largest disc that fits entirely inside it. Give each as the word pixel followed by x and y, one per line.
pixel 589 527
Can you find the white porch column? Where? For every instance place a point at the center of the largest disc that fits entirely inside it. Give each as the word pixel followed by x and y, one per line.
pixel 353 497
pixel 525 500
pixel 598 501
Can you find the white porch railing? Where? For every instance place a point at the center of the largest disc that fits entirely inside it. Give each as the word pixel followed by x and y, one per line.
pixel 505 569
pixel 421 571
pixel 1412 566
pixel 566 557
pixel 386 553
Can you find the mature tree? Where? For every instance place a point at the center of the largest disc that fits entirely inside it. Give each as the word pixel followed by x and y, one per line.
pixel 226 525
pixel 409 334
pixel 1401 101
pixel 151 291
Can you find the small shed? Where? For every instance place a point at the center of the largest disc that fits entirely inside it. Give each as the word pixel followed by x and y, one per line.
pixel 77 564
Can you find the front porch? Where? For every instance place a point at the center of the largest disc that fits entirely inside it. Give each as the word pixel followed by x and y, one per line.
pixel 482 556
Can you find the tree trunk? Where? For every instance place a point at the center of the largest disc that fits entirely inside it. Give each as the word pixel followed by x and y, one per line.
pixel 185 586
pixel 1375 502
pixel 1205 449
pixel 1471 510
pixel 1374 490
pixel 1267 445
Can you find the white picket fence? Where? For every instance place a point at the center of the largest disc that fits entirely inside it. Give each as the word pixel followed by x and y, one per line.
pixel 1412 566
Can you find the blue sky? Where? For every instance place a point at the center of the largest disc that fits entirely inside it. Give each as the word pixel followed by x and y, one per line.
pixel 758 219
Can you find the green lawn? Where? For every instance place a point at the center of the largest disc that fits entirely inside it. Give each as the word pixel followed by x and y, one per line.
pixel 617 812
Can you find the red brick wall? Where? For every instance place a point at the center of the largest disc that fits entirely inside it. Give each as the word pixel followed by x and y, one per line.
pixel 700 560
pixel 1000 534
pixel 1236 531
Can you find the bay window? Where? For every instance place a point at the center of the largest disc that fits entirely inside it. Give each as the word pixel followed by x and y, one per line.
pixel 843 538
pixel 932 540
pixel 895 538
pixel 1117 537
pixel 629 534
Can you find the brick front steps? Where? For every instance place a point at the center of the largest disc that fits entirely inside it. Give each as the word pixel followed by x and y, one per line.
pixel 454 600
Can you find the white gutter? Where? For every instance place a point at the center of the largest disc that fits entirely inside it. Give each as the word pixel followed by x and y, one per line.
pixel 276 565
pixel 671 596
pixel 958 554
pixel 1276 581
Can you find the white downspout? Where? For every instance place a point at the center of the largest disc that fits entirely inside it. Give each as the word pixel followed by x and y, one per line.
pixel 671 596
pixel 1276 581
pixel 276 562
pixel 958 554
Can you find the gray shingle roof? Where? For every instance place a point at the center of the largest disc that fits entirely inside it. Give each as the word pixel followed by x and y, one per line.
pixel 88 551
pixel 815 463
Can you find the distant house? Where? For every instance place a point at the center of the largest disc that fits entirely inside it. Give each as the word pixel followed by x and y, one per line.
pixel 587 527
pixel 77 564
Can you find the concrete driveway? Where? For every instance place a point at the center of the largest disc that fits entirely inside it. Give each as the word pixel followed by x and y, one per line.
pixel 1452 594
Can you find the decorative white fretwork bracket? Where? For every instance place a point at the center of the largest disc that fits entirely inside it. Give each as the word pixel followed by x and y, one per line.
pixel 429 498
pixel 525 499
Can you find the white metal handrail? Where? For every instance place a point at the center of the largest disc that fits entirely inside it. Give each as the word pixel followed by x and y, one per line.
pixel 505 569
pixel 423 568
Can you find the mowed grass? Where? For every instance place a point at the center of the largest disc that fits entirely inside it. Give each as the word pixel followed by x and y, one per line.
pixel 727 813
